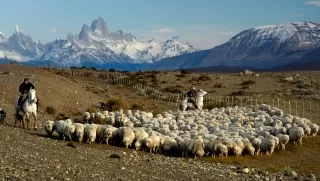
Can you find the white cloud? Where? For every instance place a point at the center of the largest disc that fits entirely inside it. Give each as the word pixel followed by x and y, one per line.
pixel 52 30
pixel 163 30
pixel 315 2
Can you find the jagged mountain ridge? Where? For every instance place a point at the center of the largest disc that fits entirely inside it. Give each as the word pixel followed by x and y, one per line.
pixel 95 44
pixel 19 46
pixel 260 47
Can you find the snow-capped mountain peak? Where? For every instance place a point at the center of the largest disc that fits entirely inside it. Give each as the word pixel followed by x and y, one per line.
pixel 99 45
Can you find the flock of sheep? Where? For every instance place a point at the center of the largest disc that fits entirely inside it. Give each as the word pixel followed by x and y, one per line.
pixel 218 132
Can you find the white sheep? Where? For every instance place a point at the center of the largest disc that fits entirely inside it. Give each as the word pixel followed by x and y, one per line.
pixel 69 129
pixel 101 134
pixel 90 132
pixel 283 140
pixel 222 149
pixel 140 135
pixel 127 136
pixel 314 128
pixel 306 129
pixel 196 147
pixel 112 132
pixel 79 131
pixel 86 117
pixel 59 126
pixel 48 127
pixel 152 143
pixel 296 135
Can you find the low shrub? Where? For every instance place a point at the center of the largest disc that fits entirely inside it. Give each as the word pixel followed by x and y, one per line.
pixel 114 104
pixel 51 110
pixel 173 89
pixel 136 107
pixel 248 82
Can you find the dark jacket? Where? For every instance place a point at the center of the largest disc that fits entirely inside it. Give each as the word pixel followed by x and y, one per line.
pixel 192 93
pixel 23 88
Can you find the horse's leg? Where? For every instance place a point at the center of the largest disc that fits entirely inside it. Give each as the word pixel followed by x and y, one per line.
pixel 35 120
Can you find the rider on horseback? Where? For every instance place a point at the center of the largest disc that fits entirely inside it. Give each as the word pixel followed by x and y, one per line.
pixel 24 89
pixel 192 96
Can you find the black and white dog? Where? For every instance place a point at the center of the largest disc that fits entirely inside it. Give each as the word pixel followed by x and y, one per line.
pixel 3 116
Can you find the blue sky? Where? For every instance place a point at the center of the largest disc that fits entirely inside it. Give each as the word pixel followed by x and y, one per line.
pixel 203 23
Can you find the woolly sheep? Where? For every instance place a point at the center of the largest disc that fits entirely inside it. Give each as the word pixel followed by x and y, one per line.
pixel 101 134
pixel 127 136
pixel 152 143
pixel 68 131
pixel 267 145
pixel 314 128
pixel 169 145
pixel 140 135
pixel 59 126
pixel 283 140
pixel 196 147
pixel 111 132
pixel 306 129
pixel 79 131
pixel 90 132
pixel 222 149
pixel 86 117
pixel 48 127
pixel 296 135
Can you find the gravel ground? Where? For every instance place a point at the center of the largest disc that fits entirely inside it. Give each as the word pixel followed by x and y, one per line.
pixel 29 155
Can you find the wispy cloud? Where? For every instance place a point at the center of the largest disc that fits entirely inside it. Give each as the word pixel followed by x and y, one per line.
pixel 52 30
pixel 314 2
pixel 163 30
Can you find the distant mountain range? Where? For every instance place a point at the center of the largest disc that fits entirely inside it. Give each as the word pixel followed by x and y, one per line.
pixel 259 48
pixel 93 45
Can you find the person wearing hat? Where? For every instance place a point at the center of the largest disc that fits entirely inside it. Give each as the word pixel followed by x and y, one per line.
pixel 192 96
pixel 24 88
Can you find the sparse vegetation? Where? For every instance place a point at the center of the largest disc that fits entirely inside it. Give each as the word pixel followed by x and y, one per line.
pixel 92 110
pixel 248 82
pixel 184 71
pixel 112 70
pixel 219 85
pixel 136 107
pixel 51 110
pixel 173 89
pixel 61 116
pixel 114 104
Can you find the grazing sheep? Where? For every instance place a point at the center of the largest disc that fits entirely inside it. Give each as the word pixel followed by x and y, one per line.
pixel 110 132
pixel 296 134
pixel 79 131
pixel 59 126
pixel 101 134
pixel 48 127
pixel 267 145
pixel 222 149
pixel 152 143
pixel 90 132
pixel 314 129
pixel 196 147
pixel 283 140
pixel 140 135
pixel 169 145
pixel 306 129
pixel 127 136
pixel 68 131
pixel 256 142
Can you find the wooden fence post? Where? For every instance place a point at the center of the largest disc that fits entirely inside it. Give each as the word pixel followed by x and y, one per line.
pixel 289 108
pixel 310 111
pixel 278 103
pixel 297 108
pixel 302 109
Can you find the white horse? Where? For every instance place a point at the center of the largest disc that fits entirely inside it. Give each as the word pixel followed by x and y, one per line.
pixel 184 105
pixel 29 107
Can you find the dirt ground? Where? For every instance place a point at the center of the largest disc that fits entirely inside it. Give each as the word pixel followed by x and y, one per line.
pixel 30 155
